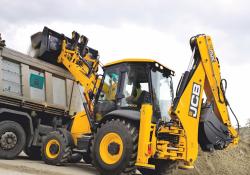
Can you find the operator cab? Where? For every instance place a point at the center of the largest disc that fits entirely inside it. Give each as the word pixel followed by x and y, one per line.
pixel 128 83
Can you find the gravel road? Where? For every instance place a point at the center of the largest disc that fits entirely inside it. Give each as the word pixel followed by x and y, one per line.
pixel 23 166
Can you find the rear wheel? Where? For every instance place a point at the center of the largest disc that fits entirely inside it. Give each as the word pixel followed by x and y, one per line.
pixel 12 139
pixel 55 149
pixel 114 147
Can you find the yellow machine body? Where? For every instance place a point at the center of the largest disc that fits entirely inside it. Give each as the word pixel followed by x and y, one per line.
pixel 185 113
pixel 80 126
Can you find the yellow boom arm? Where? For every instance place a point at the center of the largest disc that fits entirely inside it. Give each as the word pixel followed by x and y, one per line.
pixel 204 76
pixel 84 74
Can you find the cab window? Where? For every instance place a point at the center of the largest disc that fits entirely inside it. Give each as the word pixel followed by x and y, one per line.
pixel 135 86
pixel 109 88
pixel 161 95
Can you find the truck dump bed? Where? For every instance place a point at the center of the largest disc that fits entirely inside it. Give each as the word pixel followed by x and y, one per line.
pixel 33 84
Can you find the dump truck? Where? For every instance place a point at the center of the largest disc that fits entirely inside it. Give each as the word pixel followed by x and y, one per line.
pixel 36 97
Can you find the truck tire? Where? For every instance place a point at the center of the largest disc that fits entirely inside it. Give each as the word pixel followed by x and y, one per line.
pixel 55 149
pixel 114 148
pixel 34 152
pixel 162 167
pixel 12 139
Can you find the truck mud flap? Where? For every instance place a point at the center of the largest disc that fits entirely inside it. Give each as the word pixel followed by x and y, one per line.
pixel 213 134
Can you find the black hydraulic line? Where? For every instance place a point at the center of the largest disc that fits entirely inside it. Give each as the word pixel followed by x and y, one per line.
pixel 238 124
pixel 90 118
pixel 223 89
pixel 71 95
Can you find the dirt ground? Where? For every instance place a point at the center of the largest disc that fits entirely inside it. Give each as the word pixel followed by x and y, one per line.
pixel 232 161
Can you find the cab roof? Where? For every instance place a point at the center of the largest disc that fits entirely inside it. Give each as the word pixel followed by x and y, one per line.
pixel 140 60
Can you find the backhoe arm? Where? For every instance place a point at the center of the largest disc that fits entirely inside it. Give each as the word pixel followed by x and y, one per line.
pixel 213 87
pixel 208 122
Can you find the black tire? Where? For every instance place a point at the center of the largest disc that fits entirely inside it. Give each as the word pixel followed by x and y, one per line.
pixel 162 167
pixel 75 158
pixel 129 136
pixel 34 152
pixel 13 131
pixel 87 158
pixel 61 150
pixel 166 167
pixel 145 171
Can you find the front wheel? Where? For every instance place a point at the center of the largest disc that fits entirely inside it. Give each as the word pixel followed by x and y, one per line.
pixel 12 139
pixel 55 149
pixel 114 147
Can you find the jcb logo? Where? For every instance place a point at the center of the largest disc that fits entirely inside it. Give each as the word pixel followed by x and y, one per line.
pixel 194 103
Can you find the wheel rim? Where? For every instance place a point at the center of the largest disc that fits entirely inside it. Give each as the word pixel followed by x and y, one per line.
pixel 111 148
pixel 8 140
pixel 52 149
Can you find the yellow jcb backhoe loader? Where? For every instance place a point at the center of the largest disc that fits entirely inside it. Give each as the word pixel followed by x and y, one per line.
pixel 132 119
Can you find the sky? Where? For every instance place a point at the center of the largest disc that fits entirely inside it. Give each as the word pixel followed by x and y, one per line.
pixel 156 29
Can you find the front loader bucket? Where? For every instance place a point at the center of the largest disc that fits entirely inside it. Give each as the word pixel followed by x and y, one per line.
pixel 48 45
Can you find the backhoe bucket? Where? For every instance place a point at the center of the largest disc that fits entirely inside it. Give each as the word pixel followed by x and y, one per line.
pixel 213 134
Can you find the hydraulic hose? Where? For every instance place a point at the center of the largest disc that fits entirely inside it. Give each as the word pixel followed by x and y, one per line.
pixel 223 86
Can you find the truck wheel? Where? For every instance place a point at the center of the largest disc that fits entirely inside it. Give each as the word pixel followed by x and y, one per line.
pixel 34 152
pixel 12 139
pixel 114 147
pixel 55 149
pixel 162 167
